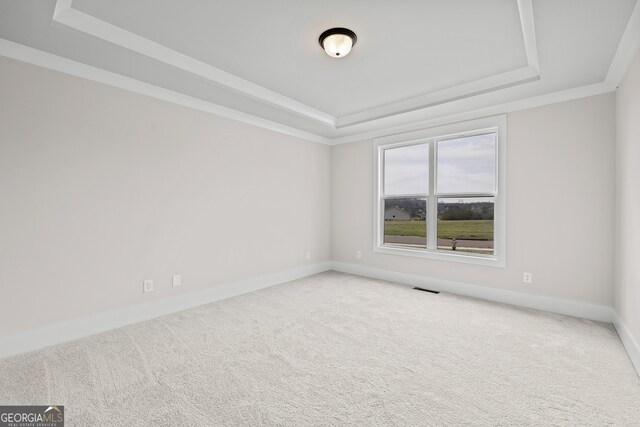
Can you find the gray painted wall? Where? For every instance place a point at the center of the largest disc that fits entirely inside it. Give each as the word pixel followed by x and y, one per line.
pixel 627 283
pixel 560 204
pixel 102 188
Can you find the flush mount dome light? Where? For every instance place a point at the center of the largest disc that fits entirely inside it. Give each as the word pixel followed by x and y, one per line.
pixel 337 42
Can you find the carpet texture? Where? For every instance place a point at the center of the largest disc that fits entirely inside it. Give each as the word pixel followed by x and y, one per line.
pixel 336 349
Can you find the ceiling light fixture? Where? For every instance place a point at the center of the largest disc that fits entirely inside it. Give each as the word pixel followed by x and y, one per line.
pixel 337 42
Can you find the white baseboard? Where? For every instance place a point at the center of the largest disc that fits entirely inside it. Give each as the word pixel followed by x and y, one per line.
pixel 77 328
pixel 584 310
pixel 73 329
pixel 629 342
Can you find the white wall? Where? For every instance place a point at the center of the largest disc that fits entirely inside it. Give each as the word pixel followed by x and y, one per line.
pixel 101 188
pixel 627 283
pixel 560 205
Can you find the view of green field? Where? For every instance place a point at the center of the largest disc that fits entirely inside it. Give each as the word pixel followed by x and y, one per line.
pixel 462 229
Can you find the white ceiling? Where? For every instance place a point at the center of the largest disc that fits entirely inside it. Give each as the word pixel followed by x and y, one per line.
pixel 259 61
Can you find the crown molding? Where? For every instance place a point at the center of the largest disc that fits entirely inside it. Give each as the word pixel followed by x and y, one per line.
pixel 526 74
pixel 65 15
pixel 628 48
pixel 43 59
pixel 40 58
pixel 525 7
pixel 456 93
pixel 507 107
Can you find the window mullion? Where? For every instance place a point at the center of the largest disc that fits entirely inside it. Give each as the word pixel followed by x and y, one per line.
pixel 432 205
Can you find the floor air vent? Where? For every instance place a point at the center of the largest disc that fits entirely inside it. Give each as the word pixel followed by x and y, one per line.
pixel 426 290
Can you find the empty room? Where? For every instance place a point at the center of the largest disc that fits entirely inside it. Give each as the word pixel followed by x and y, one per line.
pixel 319 213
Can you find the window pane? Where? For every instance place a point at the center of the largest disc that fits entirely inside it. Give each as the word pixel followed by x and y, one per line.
pixel 467 165
pixel 405 222
pixel 406 170
pixel 466 225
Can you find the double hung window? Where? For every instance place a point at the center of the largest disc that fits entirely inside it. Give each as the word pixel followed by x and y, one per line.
pixel 440 193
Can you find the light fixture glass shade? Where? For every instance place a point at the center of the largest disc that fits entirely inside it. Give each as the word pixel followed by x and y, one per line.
pixel 337 42
pixel 337 45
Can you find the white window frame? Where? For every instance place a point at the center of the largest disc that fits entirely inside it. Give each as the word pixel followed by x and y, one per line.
pixel 496 124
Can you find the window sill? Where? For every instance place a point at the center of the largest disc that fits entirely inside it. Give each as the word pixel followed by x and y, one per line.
pixel 486 260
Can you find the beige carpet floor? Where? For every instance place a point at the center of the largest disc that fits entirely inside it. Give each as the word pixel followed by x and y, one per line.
pixel 335 349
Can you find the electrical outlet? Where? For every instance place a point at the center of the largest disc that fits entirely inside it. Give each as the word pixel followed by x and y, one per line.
pixel 527 277
pixel 358 254
pixel 308 255
pixel 147 286
pixel 176 280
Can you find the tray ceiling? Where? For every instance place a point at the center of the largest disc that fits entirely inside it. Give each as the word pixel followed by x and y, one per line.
pixel 415 61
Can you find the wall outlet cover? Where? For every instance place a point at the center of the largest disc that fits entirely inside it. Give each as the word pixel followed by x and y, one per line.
pixel 176 280
pixel 147 286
